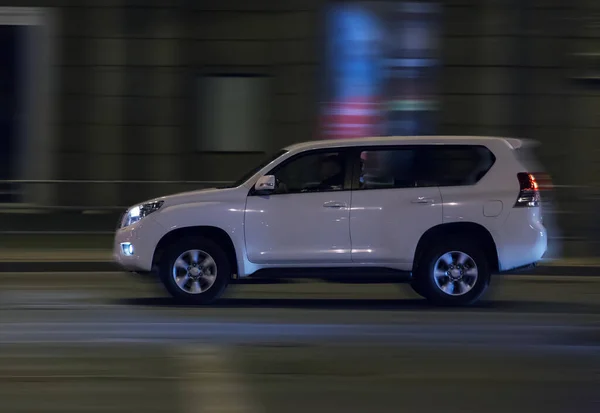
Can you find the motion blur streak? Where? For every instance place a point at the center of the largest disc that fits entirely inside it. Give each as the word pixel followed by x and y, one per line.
pixel 379 69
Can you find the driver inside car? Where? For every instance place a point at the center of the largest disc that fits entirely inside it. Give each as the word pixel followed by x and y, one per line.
pixel 332 174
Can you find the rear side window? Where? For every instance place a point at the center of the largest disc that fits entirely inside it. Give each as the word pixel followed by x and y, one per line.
pixel 388 168
pixel 423 166
pixel 455 165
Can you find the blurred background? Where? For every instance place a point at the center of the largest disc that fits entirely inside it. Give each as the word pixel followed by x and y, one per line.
pixel 105 103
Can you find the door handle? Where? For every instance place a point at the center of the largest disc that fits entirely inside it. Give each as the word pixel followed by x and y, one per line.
pixel 334 204
pixel 422 200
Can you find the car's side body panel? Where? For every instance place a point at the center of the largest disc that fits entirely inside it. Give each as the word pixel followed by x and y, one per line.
pixel 386 224
pixel 309 228
pixel 519 236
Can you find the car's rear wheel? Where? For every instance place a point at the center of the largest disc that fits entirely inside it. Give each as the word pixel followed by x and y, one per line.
pixel 195 270
pixel 453 273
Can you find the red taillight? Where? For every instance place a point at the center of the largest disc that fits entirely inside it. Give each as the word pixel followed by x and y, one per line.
pixel 544 181
pixel 529 192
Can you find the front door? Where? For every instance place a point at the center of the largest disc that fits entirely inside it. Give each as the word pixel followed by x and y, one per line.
pixel 306 219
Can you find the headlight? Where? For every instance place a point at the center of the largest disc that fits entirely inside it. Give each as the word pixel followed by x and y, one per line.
pixel 138 212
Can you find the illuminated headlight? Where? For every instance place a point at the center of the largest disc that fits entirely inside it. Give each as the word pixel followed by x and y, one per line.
pixel 138 212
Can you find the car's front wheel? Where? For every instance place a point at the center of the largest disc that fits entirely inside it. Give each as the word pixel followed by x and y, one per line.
pixel 453 273
pixel 195 270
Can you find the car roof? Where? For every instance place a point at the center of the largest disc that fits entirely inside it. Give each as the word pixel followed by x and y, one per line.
pixel 405 140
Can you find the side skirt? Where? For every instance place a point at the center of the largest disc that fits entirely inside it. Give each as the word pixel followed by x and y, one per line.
pixel 351 275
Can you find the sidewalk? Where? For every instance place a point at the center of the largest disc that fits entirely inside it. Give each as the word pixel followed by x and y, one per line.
pixel 100 260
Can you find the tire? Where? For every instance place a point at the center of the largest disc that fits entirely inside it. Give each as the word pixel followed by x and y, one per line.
pixel 453 273
pixel 200 284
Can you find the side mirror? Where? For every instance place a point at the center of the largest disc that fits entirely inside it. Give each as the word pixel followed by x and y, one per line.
pixel 265 184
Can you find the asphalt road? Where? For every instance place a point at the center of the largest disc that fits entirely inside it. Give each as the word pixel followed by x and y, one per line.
pixel 83 342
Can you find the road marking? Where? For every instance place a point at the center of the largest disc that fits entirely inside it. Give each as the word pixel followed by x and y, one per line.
pixel 210 382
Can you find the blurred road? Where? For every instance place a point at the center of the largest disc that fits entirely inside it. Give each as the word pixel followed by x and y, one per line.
pixel 111 342
pixel 67 307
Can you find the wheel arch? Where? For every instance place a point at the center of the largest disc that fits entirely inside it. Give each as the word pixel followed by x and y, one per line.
pixel 463 230
pixel 215 234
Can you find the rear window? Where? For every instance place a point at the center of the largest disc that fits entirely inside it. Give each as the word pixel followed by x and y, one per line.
pixel 456 165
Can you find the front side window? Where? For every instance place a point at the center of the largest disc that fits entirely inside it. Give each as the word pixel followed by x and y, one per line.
pixel 312 172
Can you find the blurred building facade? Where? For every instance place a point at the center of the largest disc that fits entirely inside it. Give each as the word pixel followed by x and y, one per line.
pixel 123 74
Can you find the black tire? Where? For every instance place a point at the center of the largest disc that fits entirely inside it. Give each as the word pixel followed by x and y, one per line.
pixel 210 248
pixel 448 290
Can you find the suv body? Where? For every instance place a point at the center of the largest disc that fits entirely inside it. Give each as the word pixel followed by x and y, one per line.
pixel 441 212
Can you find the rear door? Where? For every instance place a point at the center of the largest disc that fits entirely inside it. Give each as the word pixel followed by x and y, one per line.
pixel 468 193
pixel 391 206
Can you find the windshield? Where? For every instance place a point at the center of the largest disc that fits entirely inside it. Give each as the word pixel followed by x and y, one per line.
pixel 257 168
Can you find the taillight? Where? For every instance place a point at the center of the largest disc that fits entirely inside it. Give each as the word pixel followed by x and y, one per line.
pixel 529 193
pixel 544 181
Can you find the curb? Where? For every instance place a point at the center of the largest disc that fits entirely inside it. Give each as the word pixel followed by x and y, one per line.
pixel 109 266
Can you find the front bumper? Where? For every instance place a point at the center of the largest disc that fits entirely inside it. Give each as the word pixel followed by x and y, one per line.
pixel 134 246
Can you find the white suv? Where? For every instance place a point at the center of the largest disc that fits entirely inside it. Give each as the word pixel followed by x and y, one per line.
pixel 442 213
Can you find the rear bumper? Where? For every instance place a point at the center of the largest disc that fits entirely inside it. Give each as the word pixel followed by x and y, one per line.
pixel 521 269
pixel 522 242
